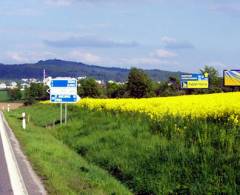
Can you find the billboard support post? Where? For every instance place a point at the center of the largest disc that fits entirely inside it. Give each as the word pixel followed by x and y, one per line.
pixel 65 114
pixel 61 113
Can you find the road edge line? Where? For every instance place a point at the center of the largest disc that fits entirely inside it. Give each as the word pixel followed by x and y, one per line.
pixel 16 180
pixel 22 158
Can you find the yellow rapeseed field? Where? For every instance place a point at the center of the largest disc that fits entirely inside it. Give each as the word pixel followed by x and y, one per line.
pixel 214 105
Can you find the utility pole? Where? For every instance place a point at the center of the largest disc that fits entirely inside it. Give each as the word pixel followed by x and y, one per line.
pixel 44 76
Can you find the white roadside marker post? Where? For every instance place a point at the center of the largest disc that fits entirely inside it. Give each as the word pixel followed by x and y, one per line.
pixel 8 108
pixel 24 120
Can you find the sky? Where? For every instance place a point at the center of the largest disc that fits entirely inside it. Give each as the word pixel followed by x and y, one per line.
pixel 174 35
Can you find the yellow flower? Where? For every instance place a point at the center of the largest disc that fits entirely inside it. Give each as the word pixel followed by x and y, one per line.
pixel 215 106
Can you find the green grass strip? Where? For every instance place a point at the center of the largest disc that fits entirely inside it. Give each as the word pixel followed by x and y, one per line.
pixel 63 171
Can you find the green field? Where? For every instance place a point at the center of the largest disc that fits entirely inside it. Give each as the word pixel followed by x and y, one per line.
pixel 4 97
pixel 171 156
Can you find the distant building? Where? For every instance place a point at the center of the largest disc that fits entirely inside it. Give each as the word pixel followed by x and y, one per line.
pixel 82 78
pixel 100 82
pixel 13 85
pixel 24 86
pixel 121 83
pixel 33 80
pixel 118 83
pixel 111 81
pixel 3 86
pixel 30 80
pixel 24 80
pixel 47 81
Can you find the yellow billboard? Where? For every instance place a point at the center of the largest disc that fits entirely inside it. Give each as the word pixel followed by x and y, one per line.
pixel 197 84
pixel 232 78
pixel 194 81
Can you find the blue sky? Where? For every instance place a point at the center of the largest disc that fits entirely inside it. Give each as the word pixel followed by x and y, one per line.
pixel 177 35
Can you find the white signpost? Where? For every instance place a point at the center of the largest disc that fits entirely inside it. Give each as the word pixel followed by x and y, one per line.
pixel 63 91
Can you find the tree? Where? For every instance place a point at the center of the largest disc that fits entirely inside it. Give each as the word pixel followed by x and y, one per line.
pixel 36 91
pixel 115 90
pixel 174 83
pixel 162 89
pixel 139 84
pixel 212 74
pixel 15 94
pixel 171 87
pixel 89 88
pixel 215 82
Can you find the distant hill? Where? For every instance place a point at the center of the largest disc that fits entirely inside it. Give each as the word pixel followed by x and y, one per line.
pixel 56 68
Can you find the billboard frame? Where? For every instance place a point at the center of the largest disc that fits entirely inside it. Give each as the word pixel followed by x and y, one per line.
pixel 224 78
pixel 208 79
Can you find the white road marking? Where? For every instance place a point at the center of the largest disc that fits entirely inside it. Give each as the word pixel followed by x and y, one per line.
pixel 16 179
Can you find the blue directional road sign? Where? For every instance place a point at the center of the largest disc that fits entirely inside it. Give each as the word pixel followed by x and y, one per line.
pixel 64 83
pixel 63 90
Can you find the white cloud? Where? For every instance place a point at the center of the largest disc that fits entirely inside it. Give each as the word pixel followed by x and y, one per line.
pixel 166 39
pixel 226 8
pixel 90 41
pixel 32 57
pixel 220 66
pixel 148 61
pixel 162 53
pixel 17 57
pixel 86 57
pixel 172 43
pixel 115 3
pixel 19 12
pixel 59 2
pixel 159 59
pixel 27 56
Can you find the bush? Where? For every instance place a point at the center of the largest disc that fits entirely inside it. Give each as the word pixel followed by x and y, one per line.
pixel 89 88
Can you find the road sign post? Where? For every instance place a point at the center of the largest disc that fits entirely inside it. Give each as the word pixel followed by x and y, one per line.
pixel 63 91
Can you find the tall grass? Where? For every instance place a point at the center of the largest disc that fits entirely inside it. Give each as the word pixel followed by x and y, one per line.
pixel 62 170
pixel 174 155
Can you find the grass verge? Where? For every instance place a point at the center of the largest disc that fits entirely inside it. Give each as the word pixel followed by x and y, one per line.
pixel 171 156
pixel 63 171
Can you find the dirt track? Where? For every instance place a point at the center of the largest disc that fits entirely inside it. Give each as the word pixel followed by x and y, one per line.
pixel 4 106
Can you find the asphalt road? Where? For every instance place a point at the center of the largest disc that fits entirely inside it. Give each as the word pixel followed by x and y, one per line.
pixel 5 185
pixel 16 174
